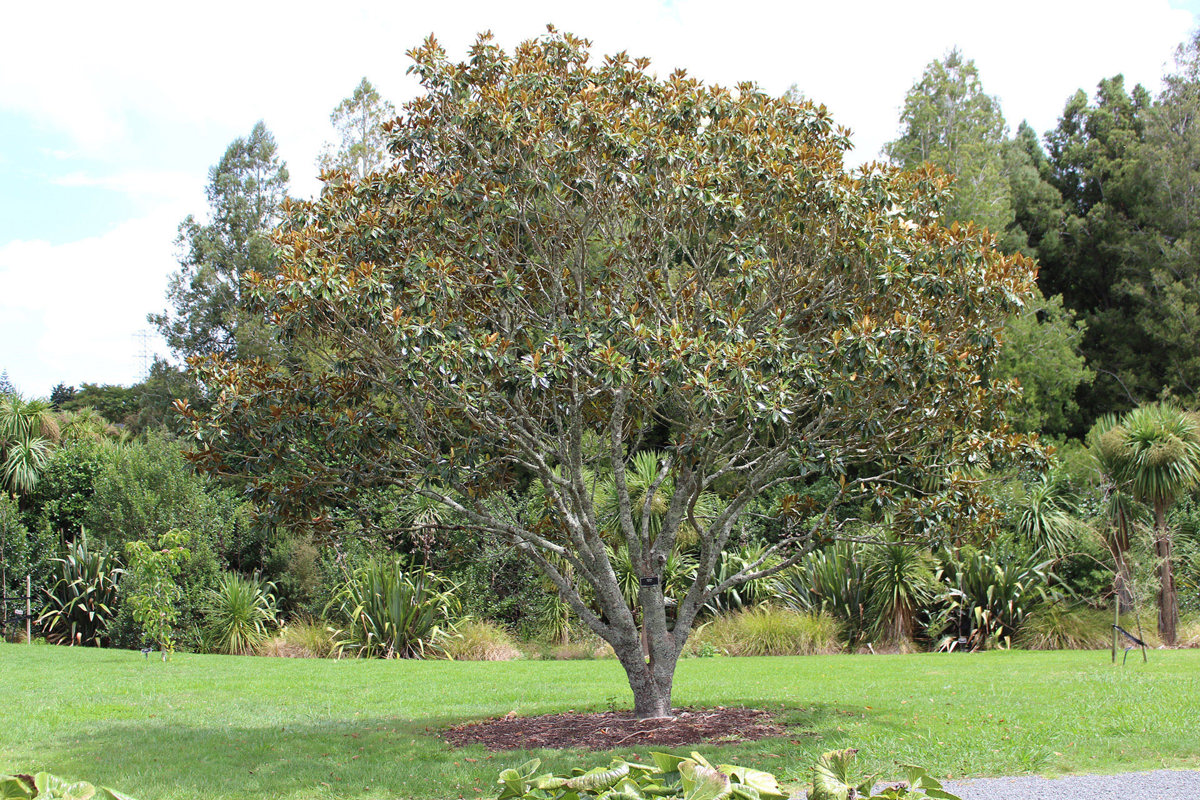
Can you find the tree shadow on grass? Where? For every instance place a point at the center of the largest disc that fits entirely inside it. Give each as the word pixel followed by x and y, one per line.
pixel 380 757
pixel 365 757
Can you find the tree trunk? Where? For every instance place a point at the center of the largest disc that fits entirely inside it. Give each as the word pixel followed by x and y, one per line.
pixel 651 684
pixel 1122 584
pixel 650 677
pixel 1168 600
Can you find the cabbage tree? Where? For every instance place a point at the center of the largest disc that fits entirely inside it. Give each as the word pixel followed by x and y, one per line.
pixel 1157 456
pixel 28 433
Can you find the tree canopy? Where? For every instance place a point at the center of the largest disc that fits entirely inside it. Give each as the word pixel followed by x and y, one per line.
pixel 571 263
pixel 950 122
pixel 362 144
pixel 245 190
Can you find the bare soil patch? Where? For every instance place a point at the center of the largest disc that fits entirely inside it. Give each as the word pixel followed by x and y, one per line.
pixel 613 729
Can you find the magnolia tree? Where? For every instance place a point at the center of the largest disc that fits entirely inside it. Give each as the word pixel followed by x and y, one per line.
pixel 570 263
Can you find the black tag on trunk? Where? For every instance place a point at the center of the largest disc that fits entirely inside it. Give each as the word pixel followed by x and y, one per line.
pixel 651 581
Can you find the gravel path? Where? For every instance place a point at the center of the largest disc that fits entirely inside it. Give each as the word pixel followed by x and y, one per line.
pixel 1158 785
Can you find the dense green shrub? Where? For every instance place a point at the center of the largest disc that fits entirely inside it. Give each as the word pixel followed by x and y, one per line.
pixel 25 551
pixel 147 488
pixel 392 610
pixel 495 580
pixel 770 631
pixel 154 594
pixel 301 576
pixel 197 577
pixel 64 491
pixel 1086 572
pixel 83 598
pixel 1185 517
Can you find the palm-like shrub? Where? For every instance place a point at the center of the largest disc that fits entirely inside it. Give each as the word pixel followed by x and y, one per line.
pixel 744 595
pixel 650 496
pixel 1045 516
pixel 393 610
pixel 241 614
pixel 28 432
pixel 87 424
pixel 83 599
pixel 899 583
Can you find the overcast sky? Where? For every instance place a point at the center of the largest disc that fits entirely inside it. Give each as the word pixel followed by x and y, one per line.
pixel 111 113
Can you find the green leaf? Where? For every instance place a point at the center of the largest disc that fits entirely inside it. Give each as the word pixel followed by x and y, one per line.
pixel 940 794
pixel 764 784
pixel 52 787
pixel 667 762
pixel 831 777
pixel 111 794
pixel 704 783
pixel 16 787
pixel 599 778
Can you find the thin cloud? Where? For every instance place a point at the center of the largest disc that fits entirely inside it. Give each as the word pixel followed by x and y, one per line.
pixel 75 307
pixel 140 184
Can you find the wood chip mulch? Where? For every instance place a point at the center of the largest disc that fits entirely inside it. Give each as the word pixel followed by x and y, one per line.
pixel 613 729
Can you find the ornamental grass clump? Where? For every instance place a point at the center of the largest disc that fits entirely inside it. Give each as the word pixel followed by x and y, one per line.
pixel 302 638
pixel 1056 626
pixel 772 631
pixel 479 640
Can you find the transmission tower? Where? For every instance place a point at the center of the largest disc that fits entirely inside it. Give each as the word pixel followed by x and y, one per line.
pixel 144 356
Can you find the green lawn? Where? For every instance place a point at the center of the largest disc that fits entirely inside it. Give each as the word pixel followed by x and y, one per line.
pixel 230 727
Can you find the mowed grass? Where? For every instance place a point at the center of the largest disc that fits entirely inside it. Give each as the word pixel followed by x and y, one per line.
pixel 241 727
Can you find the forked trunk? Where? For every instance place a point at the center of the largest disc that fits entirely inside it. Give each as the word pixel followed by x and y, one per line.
pixel 1168 600
pixel 650 678
pixel 651 692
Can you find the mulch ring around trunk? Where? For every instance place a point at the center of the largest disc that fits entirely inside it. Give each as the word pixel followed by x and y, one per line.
pixel 612 729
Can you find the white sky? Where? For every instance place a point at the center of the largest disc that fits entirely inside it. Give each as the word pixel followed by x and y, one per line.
pixel 111 113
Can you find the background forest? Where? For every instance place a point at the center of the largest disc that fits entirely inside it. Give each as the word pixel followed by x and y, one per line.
pixel 126 545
